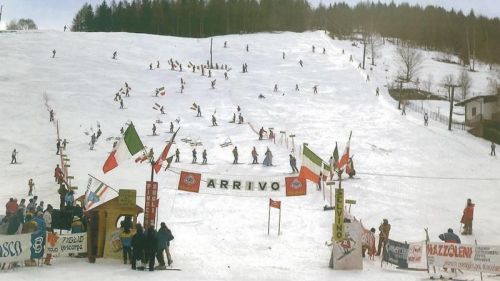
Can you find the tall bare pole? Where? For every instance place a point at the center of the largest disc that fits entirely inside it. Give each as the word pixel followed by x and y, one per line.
pixel 211 41
pixel 452 97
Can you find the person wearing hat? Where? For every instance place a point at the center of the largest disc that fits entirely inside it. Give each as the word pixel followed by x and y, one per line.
pixel 450 237
pixel 77 225
pixel 384 228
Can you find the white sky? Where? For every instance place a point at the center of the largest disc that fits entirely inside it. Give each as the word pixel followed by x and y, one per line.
pixel 54 14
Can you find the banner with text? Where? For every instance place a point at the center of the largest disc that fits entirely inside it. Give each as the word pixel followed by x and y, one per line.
pixel 396 253
pixel 15 247
pixel 241 185
pixel 478 258
pixel 66 244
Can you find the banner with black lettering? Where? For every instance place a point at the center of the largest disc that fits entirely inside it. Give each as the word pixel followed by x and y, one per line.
pixel 478 258
pixel 396 253
pixel 66 244
pixel 15 247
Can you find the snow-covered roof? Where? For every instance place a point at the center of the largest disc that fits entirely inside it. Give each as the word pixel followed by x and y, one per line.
pixel 485 98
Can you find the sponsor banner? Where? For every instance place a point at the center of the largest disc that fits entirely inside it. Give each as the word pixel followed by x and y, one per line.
pixel 338 228
pixel 396 253
pixel 66 244
pixel 150 203
pixel 346 253
pixel 113 245
pixel 478 258
pixel 255 186
pixel 189 181
pixel 15 247
pixel 416 255
pixel 37 244
pixel 295 186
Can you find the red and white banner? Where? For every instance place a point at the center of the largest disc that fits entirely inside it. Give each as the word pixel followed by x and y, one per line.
pixel 478 258
pixel 189 181
pixel 150 203
pixel 295 186
pixel 274 204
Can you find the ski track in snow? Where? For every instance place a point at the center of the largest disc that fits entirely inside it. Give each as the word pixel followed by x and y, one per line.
pixel 222 237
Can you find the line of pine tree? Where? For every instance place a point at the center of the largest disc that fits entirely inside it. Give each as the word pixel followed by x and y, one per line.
pixel 468 36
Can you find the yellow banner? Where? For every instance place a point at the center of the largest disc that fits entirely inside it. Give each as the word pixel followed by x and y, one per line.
pixel 338 227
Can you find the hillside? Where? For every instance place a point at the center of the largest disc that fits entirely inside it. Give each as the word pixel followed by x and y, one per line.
pixel 414 176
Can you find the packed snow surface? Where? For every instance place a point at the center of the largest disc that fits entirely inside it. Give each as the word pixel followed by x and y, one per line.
pixel 415 176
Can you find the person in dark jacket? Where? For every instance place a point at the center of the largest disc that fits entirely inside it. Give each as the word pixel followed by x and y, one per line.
pixel 15 222
pixel 138 241
pixel 126 239
pixel 450 237
pixel 164 238
pixel 151 244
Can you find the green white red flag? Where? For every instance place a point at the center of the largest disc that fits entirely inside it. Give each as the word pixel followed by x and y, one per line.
pixel 129 145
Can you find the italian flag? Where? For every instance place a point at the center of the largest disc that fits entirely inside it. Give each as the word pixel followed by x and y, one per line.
pixel 129 145
pixel 312 165
pixel 345 156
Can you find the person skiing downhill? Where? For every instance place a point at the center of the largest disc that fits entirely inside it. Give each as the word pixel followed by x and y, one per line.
pixel 14 155
pixel 426 119
pixel 194 155
pixel 293 164
pixel 177 154
pixel 214 121
pixel 198 114
pixel 492 153
pixel 154 129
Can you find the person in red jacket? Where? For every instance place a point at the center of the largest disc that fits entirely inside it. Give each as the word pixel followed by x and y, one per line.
pixel 11 207
pixel 467 217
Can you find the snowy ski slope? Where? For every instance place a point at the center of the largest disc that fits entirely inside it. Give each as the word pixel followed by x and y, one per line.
pixel 433 170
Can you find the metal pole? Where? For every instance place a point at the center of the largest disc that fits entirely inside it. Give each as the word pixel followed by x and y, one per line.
pixel 269 217
pixel 451 107
pixel 279 225
pixel 211 64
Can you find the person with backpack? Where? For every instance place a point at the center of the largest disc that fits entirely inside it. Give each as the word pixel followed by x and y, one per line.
pixel 164 238
pixel 126 239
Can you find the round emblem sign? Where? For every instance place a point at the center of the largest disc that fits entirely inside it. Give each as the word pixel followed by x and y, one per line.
pixel 296 184
pixel 189 180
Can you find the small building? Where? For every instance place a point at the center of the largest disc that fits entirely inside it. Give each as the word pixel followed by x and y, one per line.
pixel 103 226
pixel 482 112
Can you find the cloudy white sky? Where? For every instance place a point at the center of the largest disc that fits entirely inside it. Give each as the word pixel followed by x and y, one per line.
pixel 54 14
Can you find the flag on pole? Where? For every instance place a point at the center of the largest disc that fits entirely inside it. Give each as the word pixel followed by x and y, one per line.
pixel 345 157
pixel 311 166
pixel 164 154
pixel 128 146
pixel 96 194
pixel 274 204
pixel 335 157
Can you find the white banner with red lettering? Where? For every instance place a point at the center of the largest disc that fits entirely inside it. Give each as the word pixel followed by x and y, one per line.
pixel 478 258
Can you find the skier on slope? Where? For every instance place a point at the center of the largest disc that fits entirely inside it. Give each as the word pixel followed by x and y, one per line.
pixel 492 153
pixel 315 89
pixel 177 154
pixel 235 155
pixel 114 55
pixel 194 155
pixel 204 155
pixel 121 104
pixel 162 110
pixel 14 157
pixel 31 186
pixel 51 115
pixel 212 83
pixel 154 129
pixel 254 156
pixel 426 119
pixel 54 53
pixel 301 63
pixel 58 147
pixel 171 127
pixel 151 66
pixel 268 160
pixel 240 119
pixel 214 121
pixel 198 108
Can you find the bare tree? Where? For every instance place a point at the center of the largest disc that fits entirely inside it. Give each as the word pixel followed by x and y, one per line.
pixel 427 84
pixel 374 43
pixel 465 82
pixel 410 61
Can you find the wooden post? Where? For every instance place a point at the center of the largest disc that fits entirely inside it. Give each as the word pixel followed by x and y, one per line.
pixel 452 97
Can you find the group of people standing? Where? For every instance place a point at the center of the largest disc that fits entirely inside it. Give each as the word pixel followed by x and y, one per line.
pixel 141 248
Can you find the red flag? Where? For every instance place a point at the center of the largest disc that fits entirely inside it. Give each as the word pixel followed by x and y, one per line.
pixel 189 182
pixel 274 204
pixel 164 154
pixel 295 186
pixel 345 157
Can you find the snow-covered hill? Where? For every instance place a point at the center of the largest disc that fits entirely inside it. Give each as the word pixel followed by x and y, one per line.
pixel 415 176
